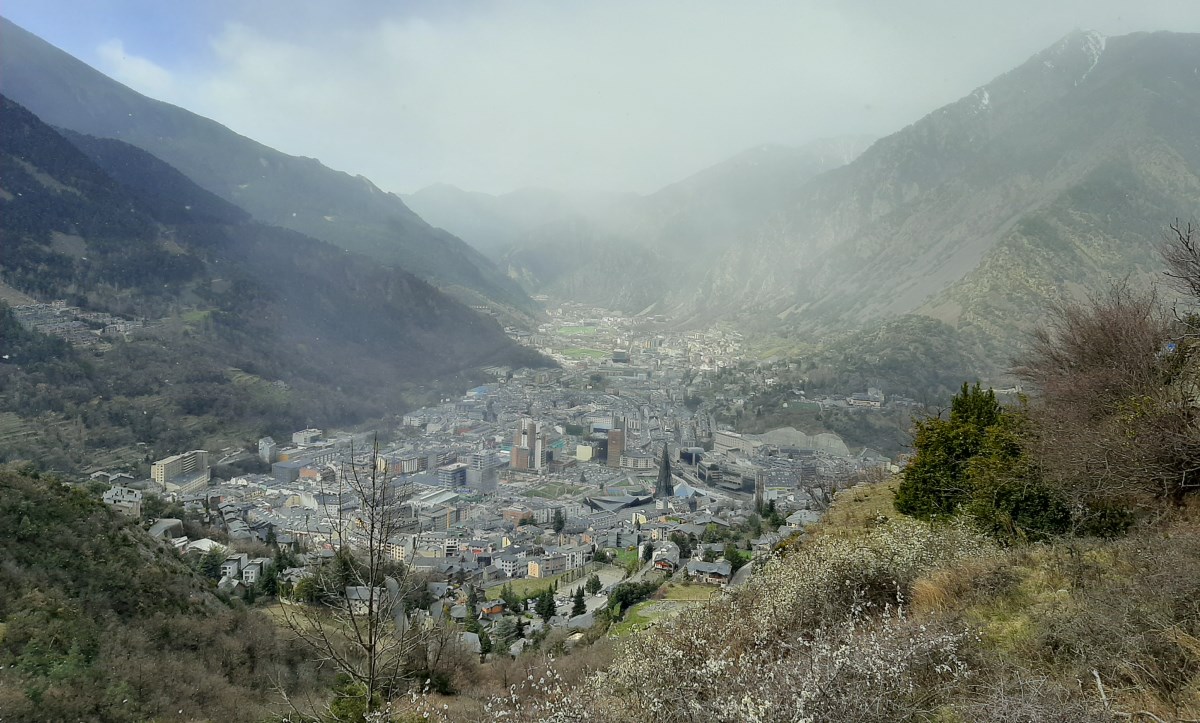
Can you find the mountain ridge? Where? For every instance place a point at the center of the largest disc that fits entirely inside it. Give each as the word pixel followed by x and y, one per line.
pixel 288 191
pixel 939 194
pixel 255 328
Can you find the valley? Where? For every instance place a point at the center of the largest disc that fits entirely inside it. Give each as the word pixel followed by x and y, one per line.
pixel 574 411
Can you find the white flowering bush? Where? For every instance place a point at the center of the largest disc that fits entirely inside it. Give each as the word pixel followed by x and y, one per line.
pixel 819 634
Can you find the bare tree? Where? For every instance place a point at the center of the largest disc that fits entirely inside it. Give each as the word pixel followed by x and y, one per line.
pixel 1181 252
pixel 356 620
pixel 1115 419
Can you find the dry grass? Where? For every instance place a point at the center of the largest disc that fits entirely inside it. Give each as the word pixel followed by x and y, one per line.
pixel 854 511
pixel 691 592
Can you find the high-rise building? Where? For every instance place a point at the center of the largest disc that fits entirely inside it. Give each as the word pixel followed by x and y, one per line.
pixel 529 446
pixel 266 449
pixel 186 473
pixel 616 446
pixel 453 475
pixel 483 471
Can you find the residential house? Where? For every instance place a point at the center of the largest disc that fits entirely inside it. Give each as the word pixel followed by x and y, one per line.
pixel 166 527
pixel 577 555
pixel 360 599
pixel 254 571
pixel 512 564
pixel 232 567
pixel 715 573
pixel 540 567
pixel 493 607
pixel 666 557
pixel 125 500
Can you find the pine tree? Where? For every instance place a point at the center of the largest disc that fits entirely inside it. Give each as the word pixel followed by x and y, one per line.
pixel 560 521
pixel 579 607
pixel 647 552
pixel 545 607
pixel 505 631
pixel 593 584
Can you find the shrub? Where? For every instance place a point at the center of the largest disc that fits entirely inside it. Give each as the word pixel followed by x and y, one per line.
pixel 935 481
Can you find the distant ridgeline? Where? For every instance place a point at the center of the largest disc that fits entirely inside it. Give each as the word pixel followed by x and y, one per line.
pixel 291 192
pixel 194 310
pixel 1042 185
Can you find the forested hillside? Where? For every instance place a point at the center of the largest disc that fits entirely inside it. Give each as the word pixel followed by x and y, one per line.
pixel 249 328
pixel 100 622
pixel 286 191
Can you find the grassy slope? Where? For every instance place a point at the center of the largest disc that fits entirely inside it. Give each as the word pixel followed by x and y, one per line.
pixel 1123 608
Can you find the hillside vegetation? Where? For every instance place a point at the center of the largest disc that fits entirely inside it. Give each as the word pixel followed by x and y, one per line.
pixel 291 192
pixel 98 622
pixel 251 329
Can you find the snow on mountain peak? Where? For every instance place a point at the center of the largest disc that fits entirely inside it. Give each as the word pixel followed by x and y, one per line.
pixel 1093 47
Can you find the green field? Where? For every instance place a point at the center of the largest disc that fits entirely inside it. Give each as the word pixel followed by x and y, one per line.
pixel 634 620
pixel 576 330
pixel 196 316
pixel 582 353
pixel 689 593
pixel 528 586
pixel 626 556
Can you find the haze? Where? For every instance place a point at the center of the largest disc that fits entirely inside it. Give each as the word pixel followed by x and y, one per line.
pixel 618 95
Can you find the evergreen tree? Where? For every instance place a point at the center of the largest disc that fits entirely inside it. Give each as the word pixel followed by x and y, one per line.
pixel 593 584
pixel 560 521
pixel 210 564
pixel 505 631
pixel 733 557
pixel 579 607
pixel 935 481
pixel 511 600
pixel 647 552
pixel 545 607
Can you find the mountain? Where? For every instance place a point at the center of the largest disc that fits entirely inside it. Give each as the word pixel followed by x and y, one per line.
pixel 287 191
pixel 623 250
pixel 493 223
pixel 251 328
pixel 1044 184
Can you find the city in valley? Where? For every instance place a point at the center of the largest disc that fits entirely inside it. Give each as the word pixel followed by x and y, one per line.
pixel 612 467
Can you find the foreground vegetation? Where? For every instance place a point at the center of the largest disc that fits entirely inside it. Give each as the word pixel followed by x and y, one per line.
pixel 99 622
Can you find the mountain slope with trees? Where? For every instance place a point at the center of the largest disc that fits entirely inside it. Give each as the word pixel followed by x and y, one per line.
pixel 100 622
pixel 253 327
pixel 286 191
pixel 1039 186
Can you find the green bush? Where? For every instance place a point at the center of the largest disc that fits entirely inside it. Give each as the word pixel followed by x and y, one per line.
pixel 935 481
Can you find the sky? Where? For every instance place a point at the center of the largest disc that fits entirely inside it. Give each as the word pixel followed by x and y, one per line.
pixel 620 95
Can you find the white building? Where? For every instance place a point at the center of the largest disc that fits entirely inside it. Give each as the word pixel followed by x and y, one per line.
pixel 125 500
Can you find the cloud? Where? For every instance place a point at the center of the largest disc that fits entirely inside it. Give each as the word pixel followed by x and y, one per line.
pixel 141 74
pixel 623 94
